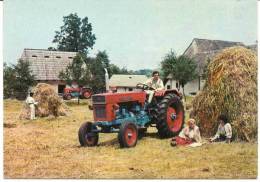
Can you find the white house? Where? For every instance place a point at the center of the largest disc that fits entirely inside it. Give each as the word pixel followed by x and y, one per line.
pixel 125 83
pixel 191 88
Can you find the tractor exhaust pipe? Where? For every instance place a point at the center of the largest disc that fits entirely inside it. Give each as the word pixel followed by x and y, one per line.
pixel 106 80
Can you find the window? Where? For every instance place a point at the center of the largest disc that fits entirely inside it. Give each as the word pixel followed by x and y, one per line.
pixel 177 85
pixel 34 56
pixel 168 87
pixel 46 56
pixel 130 89
pixel 70 57
pixel 58 57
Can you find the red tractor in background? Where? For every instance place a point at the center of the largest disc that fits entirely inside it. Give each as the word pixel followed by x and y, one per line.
pixel 129 115
pixel 81 92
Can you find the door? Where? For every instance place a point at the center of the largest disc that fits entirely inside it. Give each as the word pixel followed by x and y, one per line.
pixel 61 88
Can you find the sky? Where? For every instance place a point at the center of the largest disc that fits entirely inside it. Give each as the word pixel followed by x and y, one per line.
pixel 136 34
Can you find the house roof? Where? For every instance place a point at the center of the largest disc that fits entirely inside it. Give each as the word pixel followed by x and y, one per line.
pixel 206 46
pixel 45 64
pixel 126 80
pixel 203 49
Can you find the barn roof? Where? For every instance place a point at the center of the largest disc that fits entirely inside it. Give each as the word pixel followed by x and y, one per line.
pixel 207 46
pixel 203 49
pixel 45 64
pixel 126 80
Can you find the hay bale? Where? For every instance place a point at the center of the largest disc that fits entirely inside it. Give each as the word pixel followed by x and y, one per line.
pixel 49 103
pixel 231 89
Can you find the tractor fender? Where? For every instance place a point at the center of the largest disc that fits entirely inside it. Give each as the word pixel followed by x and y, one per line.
pixel 162 93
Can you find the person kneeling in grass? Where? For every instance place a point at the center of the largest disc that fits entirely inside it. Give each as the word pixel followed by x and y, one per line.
pixel 188 135
pixel 224 132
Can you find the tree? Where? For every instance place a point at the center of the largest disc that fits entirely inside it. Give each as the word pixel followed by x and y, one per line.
pixel 24 78
pixel 18 79
pixel 75 35
pixel 9 77
pixel 147 72
pixel 205 69
pixel 114 69
pixel 96 66
pixel 103 57
pixel 182 68
pixel 52 49
pixel 77 71
pixel 87 71
pixel 124 71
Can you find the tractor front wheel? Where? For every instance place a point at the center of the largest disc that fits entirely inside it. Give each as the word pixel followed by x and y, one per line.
pixel 170 117
pixel 86 135
pixel 128 135
pixel 68 97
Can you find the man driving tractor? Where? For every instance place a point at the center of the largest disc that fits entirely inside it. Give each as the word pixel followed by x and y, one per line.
pixel 154 82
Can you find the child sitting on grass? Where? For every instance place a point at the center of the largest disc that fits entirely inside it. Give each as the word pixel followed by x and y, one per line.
pixel 188 135
pixel 224 132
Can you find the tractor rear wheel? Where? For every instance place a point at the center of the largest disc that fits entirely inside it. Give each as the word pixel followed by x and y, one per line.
pixel 170 117
pixel 86 135
pixel 128 135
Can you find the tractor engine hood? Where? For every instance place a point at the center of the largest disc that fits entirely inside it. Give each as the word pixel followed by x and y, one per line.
pixel 117 98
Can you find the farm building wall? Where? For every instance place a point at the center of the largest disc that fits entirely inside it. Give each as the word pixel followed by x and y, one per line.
pixel 191 88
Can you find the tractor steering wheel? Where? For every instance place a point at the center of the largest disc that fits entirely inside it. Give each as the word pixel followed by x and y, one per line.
pixel 144 86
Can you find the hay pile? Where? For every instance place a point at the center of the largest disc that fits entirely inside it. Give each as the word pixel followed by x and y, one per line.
pixel 49 103
pixel 231 89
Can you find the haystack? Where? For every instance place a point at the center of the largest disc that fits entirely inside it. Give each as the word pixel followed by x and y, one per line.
pixel 231 89
pixel 49 103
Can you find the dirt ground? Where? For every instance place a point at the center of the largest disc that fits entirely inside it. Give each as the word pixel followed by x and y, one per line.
pixel 49 148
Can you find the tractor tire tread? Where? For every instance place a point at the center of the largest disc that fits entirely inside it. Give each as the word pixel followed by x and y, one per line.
pixel 81 134
pixel 121 133
pixel 161 124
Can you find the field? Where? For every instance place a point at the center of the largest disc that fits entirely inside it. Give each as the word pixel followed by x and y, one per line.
pixel 49 148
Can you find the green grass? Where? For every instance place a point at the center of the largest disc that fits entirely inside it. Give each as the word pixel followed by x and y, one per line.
pixel 49 148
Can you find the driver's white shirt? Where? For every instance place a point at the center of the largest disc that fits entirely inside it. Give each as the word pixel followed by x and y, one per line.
pixel 156 84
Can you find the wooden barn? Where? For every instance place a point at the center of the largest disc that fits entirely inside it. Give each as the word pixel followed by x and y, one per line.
pixel 46 65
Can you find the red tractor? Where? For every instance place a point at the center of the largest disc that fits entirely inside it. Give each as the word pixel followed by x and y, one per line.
pixel 129 115
pixel 82 92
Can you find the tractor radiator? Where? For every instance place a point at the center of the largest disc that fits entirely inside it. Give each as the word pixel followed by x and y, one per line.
pixel 100 111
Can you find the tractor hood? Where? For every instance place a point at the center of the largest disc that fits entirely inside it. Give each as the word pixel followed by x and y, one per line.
pixel 115 98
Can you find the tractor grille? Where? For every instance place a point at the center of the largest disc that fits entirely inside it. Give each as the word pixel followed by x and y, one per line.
pixel 100 111
pixel 98 99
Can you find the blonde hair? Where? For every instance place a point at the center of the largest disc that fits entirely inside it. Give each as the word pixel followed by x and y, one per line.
pixel 191 121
